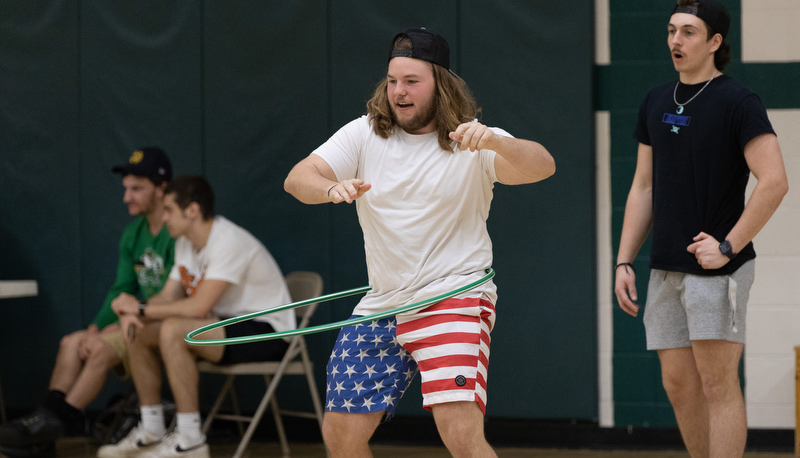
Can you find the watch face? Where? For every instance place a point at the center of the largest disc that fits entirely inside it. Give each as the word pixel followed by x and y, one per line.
pixel 726 249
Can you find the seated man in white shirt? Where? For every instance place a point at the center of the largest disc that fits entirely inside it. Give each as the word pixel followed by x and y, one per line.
pixel 220 271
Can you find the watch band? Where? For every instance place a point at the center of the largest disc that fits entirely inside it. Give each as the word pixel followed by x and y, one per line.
pixel 726 249
pixel 142 306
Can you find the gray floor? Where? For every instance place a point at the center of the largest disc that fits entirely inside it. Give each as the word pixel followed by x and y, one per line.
pixel 81 447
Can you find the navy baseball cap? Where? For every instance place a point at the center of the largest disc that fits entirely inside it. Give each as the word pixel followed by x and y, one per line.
pixel 425 45
pixel 150 162
pixel 712 12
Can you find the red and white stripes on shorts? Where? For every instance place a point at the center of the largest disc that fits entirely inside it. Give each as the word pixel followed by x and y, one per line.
pixel 450 343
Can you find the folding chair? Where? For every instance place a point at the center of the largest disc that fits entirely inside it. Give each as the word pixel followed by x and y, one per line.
pixel 302 285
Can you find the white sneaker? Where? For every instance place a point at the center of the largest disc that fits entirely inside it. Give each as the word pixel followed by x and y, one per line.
pixel 174 445
pixel 137 441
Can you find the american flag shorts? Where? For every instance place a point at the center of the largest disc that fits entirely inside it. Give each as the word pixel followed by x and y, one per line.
pixel 368 371
pixel 373 363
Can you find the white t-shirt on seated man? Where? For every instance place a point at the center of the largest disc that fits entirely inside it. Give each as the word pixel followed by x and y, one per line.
pixel 234 255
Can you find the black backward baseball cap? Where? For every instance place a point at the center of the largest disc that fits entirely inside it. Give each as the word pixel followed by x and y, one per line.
pixel 425 45
pixel 150 162
pixel 712 12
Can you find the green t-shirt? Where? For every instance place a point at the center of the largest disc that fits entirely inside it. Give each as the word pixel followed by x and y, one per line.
pixel 143 266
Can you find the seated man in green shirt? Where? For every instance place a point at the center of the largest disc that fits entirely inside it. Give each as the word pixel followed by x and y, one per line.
pixel 85 356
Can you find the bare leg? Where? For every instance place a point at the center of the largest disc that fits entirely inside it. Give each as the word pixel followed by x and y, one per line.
pixel 180 359
pixel 347 434
pixel 68 362
pixel 685 391
pixel 718 364
pixel 460 425
pixel 145 364
pixel 101 358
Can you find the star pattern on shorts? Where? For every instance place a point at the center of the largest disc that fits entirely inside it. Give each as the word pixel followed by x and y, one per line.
pixel 359 387
pixel 368 369
pixel 388 399
pixel 409 373
pixel 339 387
pixel 368 404
pixel 348 404
pixel 377 340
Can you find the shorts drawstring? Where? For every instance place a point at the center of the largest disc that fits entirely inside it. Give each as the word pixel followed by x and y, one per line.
pixel 732 299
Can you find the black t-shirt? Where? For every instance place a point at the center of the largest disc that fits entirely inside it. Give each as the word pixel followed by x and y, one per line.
pixel 699 169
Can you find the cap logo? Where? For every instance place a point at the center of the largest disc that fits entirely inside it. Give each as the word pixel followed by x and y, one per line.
pixel 136 157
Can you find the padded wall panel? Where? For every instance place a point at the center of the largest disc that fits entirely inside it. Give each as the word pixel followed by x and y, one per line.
pixel 265 97
pixel 40 182
pixel 140 86
pixel 544 362
pixel 265 102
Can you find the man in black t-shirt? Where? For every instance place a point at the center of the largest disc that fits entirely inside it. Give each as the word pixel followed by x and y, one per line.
pixel 699 139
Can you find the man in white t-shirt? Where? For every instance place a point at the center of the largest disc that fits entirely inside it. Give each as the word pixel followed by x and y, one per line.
pixel 220 271
pixel 421 170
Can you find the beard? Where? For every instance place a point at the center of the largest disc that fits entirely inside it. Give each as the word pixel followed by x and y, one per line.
pixel 421 119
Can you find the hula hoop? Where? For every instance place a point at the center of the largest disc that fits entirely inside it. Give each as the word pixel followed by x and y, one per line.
pixel 190 337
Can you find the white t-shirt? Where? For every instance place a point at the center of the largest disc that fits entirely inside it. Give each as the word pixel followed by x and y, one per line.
pixel 234 255
pixel 424 219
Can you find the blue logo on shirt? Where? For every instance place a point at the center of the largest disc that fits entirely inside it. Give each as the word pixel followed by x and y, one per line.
pixel 676 119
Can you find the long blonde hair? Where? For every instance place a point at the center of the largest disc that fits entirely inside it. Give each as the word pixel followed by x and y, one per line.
pixel 453 100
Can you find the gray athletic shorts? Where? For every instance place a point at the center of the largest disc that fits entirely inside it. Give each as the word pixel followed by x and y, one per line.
pixel 682 307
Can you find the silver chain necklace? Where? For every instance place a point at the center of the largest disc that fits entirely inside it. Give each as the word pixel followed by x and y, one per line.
pixel 679 110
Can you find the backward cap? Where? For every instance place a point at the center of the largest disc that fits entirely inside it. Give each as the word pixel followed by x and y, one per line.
pixel 425 45
pixel 712 12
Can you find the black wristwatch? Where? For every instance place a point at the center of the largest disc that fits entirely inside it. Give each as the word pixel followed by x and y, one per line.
pixel 726 249
pixel 142 305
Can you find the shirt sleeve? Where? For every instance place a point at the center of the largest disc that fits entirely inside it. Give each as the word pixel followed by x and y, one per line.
pixel 342 150
pixel 488 156
pixel 125 281
pixel 641 133
pixel 750 120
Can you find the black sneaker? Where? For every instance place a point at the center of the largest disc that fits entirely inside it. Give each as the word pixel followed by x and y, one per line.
pixel 40 426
